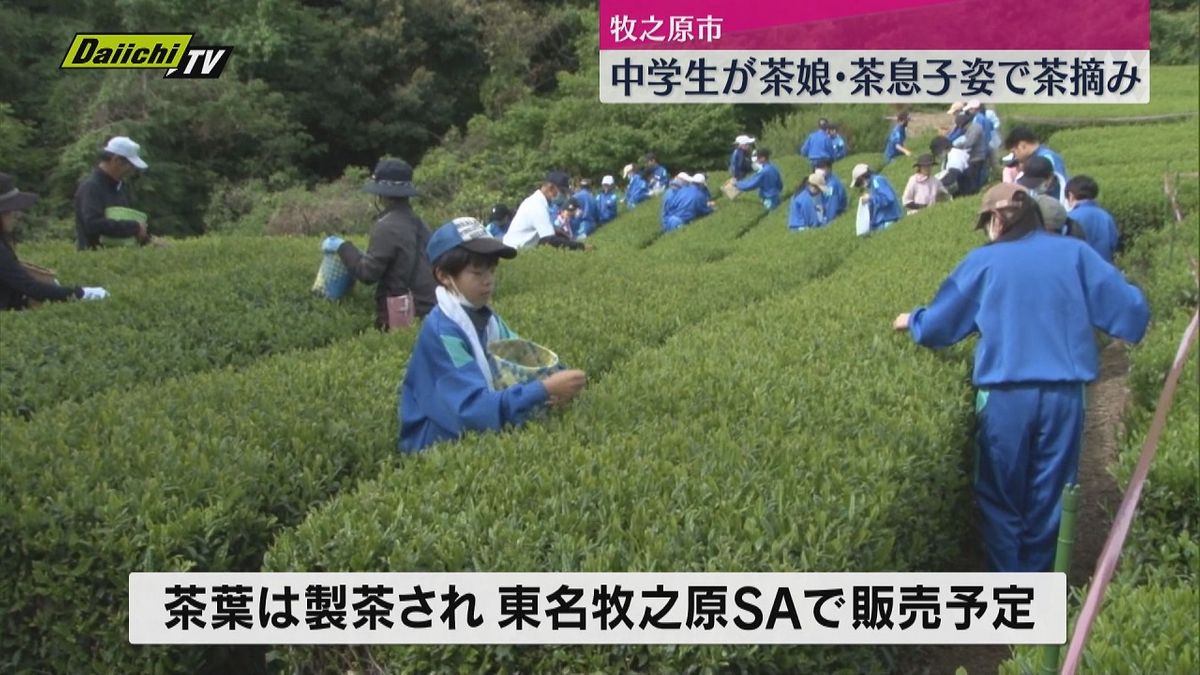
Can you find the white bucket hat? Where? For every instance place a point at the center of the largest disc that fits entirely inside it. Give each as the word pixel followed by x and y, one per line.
pixel 607 180
pixel 859 171
pixel 125 147
pixel 743 140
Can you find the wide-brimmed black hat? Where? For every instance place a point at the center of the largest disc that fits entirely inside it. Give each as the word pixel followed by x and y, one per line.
pixel 12 199
pixel 392 178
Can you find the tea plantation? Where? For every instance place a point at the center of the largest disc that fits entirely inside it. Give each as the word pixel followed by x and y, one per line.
pixel 749 409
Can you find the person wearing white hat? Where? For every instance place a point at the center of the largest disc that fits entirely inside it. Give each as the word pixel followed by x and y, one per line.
pixel 105 188
pixel 740 165
pixel 686 200
pixel 878 196
pixel 975 107
pixel 836 199
pixel 639 187
pixel 607 201
pixel 767 181
pixel 700 183
pixel 808 204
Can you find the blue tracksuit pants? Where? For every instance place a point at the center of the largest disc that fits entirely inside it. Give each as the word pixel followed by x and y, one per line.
pixel 1029 440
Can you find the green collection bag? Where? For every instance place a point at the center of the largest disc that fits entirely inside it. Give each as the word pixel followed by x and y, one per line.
pixel 122 213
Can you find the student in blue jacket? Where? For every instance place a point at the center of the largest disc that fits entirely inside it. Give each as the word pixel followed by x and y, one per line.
pixel 607 201
pixel 639 188
pixel 1023 143
pixel 818 145
pixel 659 177
pixel 685 200
pixel 740 164
pixel 837 143
pixel 584 223
pixel 498 220
pixel 835 195
pixel 895 141
pixel 1034 298
pixel 1098 225
pixel 449 387
pixel 767 181
pixel 878 194
pixel 808 204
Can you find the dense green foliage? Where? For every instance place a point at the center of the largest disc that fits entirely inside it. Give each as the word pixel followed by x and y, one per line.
pixel 300 99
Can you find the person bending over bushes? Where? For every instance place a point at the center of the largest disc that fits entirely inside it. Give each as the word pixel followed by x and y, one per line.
pixel 17 286
pixel 450 385
pixel 1034 298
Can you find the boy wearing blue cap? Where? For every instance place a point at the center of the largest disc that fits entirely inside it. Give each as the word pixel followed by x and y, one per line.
pixel 449 387
pixel 1034 298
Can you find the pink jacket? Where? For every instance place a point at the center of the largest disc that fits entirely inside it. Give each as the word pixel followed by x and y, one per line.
pixel 923 190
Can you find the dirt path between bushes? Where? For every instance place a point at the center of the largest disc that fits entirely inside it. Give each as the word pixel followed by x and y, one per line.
pixel 1107 399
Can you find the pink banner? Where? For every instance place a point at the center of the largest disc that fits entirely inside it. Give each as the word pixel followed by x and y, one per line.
pixel 960 25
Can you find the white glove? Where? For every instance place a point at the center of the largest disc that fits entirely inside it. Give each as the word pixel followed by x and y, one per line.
pixel 94 293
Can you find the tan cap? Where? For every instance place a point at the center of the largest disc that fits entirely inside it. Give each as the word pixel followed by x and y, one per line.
pixel 956 107
pixel 1001 196
pixel 817 178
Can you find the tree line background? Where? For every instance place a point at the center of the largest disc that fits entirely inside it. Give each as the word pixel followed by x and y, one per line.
pixel 482 95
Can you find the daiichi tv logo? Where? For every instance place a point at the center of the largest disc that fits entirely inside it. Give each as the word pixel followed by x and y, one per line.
pixel 171 51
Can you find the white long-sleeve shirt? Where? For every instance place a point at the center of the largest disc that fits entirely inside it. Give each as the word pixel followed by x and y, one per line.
pixel 530 223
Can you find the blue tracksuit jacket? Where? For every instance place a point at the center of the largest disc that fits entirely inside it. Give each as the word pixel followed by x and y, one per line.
pixel 767 181
pixel 807 210
pixel 1098 226
pixel 444 395
pixel 1034 303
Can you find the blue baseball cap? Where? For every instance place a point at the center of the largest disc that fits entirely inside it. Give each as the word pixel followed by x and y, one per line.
pixel 470 234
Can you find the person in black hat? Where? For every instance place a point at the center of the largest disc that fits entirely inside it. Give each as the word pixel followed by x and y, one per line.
pixel 17 286
pixel 450 386
pixel 923 190
pixel 532 225
pixel 498 220
pixel 1039 178
pixel 395 256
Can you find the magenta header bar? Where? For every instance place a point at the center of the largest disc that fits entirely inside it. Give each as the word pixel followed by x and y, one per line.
pixel 958 25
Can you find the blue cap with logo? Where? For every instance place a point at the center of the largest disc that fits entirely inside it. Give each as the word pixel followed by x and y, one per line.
pixel 468 233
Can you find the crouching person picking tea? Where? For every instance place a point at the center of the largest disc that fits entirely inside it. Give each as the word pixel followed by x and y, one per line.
pixel 454 383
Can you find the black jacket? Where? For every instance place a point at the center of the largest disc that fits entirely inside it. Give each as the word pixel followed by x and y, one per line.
pixel 96 193
pixel 18 287
pixel 395 259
